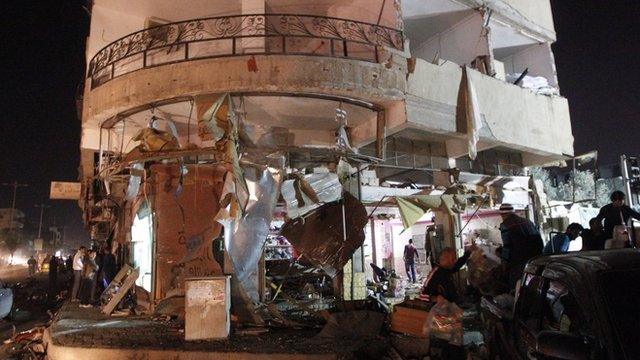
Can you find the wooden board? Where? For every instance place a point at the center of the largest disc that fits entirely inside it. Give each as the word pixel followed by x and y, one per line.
pixel 409 321
pixel 118 288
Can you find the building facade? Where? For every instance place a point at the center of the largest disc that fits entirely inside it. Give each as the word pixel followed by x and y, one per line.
pixel 406 88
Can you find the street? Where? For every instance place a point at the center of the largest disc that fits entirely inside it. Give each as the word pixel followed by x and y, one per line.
pixel 33 305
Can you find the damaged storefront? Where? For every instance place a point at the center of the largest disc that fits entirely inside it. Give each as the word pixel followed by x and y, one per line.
pixel 292 237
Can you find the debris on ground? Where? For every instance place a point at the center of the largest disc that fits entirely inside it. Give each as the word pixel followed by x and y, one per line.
pixel 353 325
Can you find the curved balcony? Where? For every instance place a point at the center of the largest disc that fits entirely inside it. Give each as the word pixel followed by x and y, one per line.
pixel 216 37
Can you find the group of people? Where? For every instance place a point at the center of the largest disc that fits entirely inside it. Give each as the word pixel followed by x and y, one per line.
pixel 603 227
pixel 92 271
pixel 521 241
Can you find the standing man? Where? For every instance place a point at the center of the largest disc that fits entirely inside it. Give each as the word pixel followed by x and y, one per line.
pixel 560 243
pixel 521 241
pixel 108 270
pixel 410 256
pixel 33 264
pixel 616 213
pixel 53 273
pixel 77 272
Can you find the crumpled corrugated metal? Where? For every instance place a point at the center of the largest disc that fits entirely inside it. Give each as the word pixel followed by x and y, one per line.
pixel 329 235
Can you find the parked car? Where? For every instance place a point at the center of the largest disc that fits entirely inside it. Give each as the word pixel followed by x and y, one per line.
pixel 583 305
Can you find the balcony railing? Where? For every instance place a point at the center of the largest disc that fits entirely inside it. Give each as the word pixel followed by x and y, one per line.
pixel 241 35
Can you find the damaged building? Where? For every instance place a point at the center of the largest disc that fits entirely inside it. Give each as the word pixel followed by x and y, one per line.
pixel 289 144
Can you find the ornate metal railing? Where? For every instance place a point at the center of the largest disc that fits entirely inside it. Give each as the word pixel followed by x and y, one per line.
pixel 241 35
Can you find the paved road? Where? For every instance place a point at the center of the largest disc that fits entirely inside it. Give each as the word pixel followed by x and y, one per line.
pixel 13 273
pixel 32 314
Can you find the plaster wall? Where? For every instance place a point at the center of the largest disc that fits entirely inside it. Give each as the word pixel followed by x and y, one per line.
pixel 522 119
pixel 113 19
pixel 536 11
pixel 538 59
pixel 513 117
pixel 461 43
pixel 108 25
pixel 275 74
pixel 532 16
pixel 432 96
pixel 184 225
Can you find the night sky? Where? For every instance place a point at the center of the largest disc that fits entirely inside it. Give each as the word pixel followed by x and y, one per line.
pixel 597 56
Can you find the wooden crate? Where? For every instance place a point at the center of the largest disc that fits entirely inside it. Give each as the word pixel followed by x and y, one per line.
pixel 409 321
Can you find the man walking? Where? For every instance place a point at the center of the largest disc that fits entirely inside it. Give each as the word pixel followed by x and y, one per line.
pixel 521 241
pixel 78 265
pixel 410 256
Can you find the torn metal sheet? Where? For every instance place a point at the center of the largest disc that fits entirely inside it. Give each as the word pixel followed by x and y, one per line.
pixel 220 122
pixel 155 140
pixel 326 187
pixel 137 173
pixel 245 246
pixel 326 236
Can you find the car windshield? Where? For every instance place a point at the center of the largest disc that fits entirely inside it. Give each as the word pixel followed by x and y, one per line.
pixel 622 292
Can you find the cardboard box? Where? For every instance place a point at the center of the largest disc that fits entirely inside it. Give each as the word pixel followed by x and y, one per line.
pixel 409 321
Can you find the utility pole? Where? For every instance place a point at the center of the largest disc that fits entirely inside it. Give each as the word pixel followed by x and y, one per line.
pixel 15 186
pixel 42 207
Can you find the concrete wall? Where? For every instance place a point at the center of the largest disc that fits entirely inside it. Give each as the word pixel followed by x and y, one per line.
pixel 432 96
pixel 522 119
pixel 112 19
pixel 513 117
pixel 536 11
pixel 187 238
pixel 533 16
pixel 108 25
pixel 314 75
pixel 461 43
pixel 538 59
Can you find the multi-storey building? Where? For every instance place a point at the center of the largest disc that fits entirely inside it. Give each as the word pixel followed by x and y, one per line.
pixel 417 86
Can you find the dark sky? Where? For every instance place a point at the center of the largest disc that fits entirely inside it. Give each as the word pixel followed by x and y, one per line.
pixel 597 56
pixel 42 62
pixel 598 63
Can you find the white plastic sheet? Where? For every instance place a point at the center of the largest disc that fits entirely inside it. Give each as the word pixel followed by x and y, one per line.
pixel 251 231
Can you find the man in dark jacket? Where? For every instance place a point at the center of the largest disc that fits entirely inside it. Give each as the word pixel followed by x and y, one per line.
pixel 53 272
pixel 108 268
pixel 594 237
pixel 616 213
pixel 521 241
pixel 440 282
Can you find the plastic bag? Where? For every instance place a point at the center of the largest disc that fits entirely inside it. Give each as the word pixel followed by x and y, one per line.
pixel 445 322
